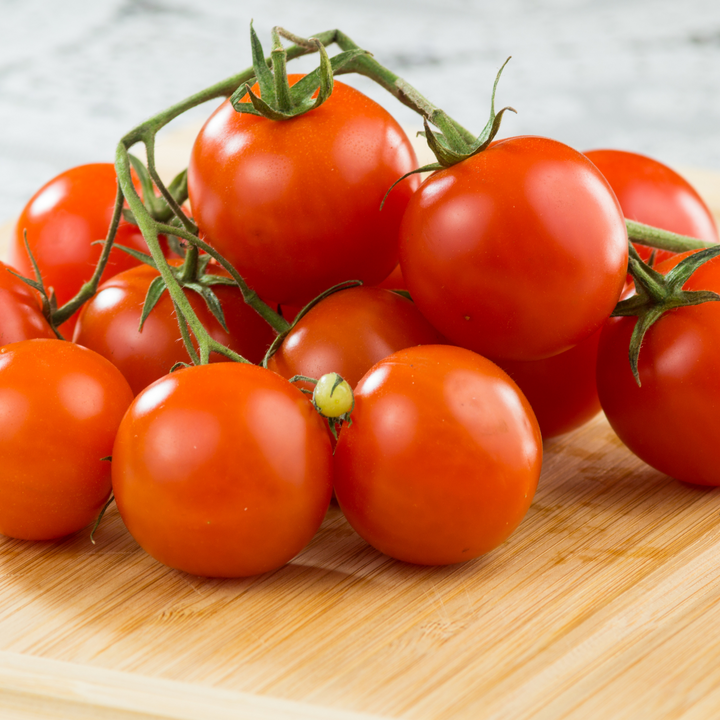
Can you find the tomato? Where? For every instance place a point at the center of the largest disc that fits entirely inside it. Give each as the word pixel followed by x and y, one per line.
pixel 222 470
pixel 295 204
pixel 60 407
pixel 672 421
pixel 348 332
pixel 394 281
pixel 561 389
pixel 62 219
pixel 109 324
pixel 519 252
pixel 20 315
pixel 651 193
pixel 442 458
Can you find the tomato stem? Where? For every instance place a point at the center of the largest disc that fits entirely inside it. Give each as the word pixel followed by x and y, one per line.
pixel 663 239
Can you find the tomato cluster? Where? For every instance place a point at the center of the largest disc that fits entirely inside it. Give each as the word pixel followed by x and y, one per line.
pixel 486 338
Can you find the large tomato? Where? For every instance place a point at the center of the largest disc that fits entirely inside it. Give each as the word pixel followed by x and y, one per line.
pixel 108 324
pixel 222 470
pixel 20 315
pixel 295 204
pixel 651 193
pixel 519 252
pixel 561 389
pixel 349 332
pixel 442 458
pixel 60 407
pixel 672 421
pixel 62 220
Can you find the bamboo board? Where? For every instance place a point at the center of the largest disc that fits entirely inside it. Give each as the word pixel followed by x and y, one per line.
pixel 605 603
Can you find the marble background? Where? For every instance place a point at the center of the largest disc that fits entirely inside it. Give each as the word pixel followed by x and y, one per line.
pixel 632 74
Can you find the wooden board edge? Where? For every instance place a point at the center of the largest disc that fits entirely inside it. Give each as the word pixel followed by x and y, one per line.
pixel 33 687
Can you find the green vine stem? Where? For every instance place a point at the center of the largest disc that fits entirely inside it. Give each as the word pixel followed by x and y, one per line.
pixel 663 239
pixel 276 321
pixel 187 319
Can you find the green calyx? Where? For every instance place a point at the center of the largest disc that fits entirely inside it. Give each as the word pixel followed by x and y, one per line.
pixel 657 293
pixel 454 144
pixel 450 147
pixel 277 100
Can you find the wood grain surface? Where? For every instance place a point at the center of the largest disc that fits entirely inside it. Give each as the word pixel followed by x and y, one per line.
pixel 605 603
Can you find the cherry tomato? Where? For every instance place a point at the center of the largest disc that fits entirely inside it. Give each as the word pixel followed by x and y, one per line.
pixel 348 332
pixel 60 407
pixel 561 389
pixel 109 325
pixel 651 193
pixel 62 220
pixel 20 315
pixel 672 421
pixel 394 281
pixel 442 458
pixel 295 205
pixel 519 252
pixel 222 470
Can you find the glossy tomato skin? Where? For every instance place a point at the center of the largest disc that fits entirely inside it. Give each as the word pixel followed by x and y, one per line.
pixel 109 324
pixel 20 315
pixel 222 470
pixel 519 252
pixel 62 220
pixel 60 407
pixel 650 192
pixel 295 205
pixel 442 458
pixel 672 421
pixel 349 331
pixel 561 389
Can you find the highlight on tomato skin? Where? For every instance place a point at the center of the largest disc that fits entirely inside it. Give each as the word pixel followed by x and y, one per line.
pixel 442 458
pixel 222 470
pixel 60 408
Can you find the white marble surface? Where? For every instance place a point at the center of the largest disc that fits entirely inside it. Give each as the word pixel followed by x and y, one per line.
pixel 634 74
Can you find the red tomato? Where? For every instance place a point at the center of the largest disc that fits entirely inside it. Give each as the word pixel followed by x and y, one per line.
pixel 349 331
pixel 222 470
pixel 394 281
pixel 20 315
pixel 295 205
pixel 62 219
pixel 561 389
pixel 109 324
pixel 442 458
pixel 60 407
pixel 519 252
pixel 651 193
pixel 672 422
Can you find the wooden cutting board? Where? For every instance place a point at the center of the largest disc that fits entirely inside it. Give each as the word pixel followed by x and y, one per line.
pixel 605 603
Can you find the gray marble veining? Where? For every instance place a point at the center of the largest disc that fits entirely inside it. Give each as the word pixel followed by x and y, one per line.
pixel 633 74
